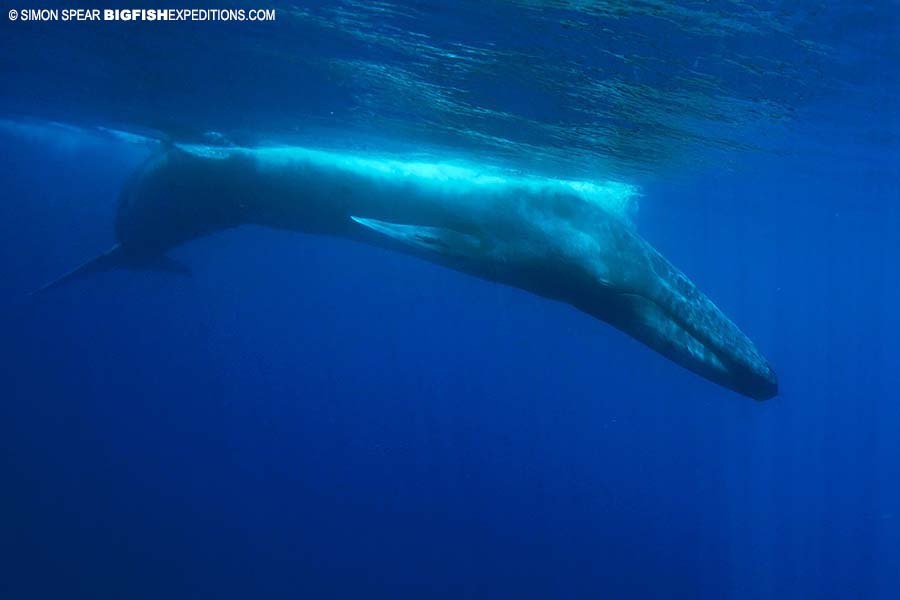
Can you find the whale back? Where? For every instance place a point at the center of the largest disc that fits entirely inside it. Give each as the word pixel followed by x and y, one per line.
pixel 174 197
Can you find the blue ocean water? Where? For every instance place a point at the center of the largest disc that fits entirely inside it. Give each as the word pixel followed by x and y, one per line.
pixel 310 417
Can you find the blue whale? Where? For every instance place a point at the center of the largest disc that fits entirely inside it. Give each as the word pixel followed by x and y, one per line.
pixel 564 240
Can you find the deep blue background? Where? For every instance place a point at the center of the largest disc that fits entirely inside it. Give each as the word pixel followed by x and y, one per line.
pixel 307 417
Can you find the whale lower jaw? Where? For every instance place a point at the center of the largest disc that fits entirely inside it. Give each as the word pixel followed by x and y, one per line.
pixel 732 363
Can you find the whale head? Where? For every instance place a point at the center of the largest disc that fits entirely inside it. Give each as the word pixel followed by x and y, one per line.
pixel 601 266
pixel 604 268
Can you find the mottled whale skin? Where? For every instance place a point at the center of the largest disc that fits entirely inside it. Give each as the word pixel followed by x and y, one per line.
pixel 567 241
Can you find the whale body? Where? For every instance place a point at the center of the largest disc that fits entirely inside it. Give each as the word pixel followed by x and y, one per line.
pixel 567 241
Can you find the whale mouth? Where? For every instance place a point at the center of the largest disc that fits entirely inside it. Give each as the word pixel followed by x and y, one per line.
pixel 698 336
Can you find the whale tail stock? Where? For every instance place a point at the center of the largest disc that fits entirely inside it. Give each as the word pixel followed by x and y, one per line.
pixel 116 258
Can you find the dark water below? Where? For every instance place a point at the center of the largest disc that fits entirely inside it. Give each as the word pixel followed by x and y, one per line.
pixel 308 417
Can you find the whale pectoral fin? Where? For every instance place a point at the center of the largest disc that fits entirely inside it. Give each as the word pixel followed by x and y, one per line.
pixel 434 239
